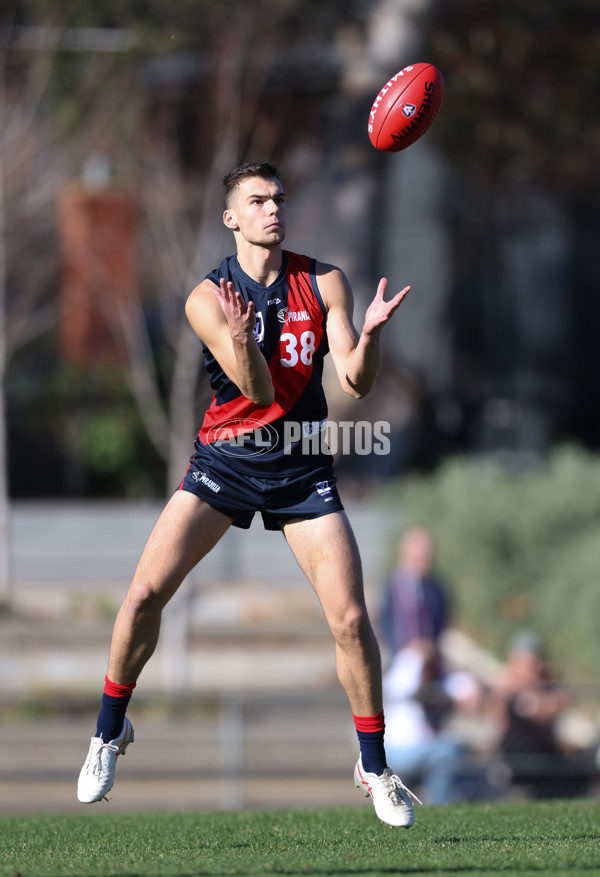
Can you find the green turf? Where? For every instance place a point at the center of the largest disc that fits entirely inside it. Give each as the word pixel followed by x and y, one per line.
pixel 561 837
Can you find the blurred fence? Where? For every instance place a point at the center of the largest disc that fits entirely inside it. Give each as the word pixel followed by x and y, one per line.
pixel 258 719
pixel 229 751
pixel 90 543
pixel 237 751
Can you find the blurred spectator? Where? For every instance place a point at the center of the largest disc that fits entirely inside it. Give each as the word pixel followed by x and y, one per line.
pixel 419 699
pixel 419 695
pixel 528 701
pixel 415 602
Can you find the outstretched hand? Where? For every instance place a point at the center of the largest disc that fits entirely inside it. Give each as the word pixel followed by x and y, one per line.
pixel 241 317
pixel 380 311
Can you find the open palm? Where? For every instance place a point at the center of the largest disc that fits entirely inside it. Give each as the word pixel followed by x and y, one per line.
pixel 379 311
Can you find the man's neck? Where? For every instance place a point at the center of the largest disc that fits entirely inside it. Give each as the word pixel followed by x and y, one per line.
pixel 262 264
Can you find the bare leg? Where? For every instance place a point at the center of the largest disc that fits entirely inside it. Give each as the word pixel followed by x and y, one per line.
pixel 328 554
pixel 185 532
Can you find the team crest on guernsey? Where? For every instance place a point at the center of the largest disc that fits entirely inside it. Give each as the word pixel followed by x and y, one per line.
pixel 282 314
pixel 259 329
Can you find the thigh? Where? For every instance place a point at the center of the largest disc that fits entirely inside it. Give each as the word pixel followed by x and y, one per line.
pixel 185 532
pixel 326 551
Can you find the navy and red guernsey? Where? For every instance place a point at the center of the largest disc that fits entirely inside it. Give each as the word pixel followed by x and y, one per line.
pixel 290 331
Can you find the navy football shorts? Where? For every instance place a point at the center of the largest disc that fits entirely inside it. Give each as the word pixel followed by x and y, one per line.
pixel 279 497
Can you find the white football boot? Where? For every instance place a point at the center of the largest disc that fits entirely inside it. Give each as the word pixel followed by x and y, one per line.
pixel 391 798
pixel 98 773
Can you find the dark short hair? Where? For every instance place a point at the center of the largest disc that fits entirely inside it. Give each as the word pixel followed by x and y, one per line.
pixel 265 169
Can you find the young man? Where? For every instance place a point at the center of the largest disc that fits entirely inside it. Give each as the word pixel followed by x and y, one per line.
pixel 266 318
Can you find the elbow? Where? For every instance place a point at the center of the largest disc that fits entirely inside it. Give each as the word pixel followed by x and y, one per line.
pixel 262 398
pixel 356 390
pixel 354 393
pixel 259 390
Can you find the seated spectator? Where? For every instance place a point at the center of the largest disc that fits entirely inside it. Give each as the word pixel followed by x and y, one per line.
pixel 528 701
pixel 418 699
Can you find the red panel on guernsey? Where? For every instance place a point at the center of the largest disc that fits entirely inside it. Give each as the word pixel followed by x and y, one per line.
pixel 289 382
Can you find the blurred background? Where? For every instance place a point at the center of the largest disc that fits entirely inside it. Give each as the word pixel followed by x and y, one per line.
pixel 116 127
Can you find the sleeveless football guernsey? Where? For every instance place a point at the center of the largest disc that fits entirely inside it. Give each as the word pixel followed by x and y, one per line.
pixel 290 332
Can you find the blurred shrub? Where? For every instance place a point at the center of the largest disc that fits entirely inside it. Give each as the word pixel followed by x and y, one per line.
pixel 517 548
pixel 84 426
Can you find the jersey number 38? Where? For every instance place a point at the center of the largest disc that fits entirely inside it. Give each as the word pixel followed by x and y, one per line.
pixel 292 355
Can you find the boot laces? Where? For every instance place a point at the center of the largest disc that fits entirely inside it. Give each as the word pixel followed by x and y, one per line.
pixel 95 764
pixel 396 790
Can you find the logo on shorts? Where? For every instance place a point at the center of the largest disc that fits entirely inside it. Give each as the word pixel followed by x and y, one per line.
pixel 323 488
pixel 409 110
pixel 202 478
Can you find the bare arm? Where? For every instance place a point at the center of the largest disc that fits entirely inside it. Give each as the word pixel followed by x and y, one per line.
pixel 220 317
pixel 356 357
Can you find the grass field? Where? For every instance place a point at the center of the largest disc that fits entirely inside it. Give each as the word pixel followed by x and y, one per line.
pixel 559 837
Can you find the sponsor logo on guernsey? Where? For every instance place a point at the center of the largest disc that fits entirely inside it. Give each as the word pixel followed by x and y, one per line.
pixel 292 316
pixel 297 316
pixel 202 478
pixel 274 301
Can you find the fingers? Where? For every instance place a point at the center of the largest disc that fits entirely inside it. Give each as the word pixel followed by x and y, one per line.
pixel 380 311
pixel 228 290
pixel 389 306
pixel 402 294
pixel 230 298
pixel 382 286
pixel 395 303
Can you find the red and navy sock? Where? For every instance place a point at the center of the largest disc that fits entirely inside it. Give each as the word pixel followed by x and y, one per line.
pixel 114 706
pixel 370 731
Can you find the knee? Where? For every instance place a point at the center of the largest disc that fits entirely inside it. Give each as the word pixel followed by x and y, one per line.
pixel 143 600
pixel 352 627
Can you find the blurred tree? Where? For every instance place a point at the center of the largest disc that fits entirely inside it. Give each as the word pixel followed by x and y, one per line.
pixel 521 100
pixel 33 163
pixel 519 549
pixel 520 125
pixel 172 96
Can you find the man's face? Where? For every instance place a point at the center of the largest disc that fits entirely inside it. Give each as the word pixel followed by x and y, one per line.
pixel 416 552
pixel 257 211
